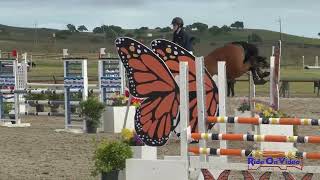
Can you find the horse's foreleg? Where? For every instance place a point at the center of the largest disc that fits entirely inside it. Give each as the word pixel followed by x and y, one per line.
pixel 262 74
pixel 256 78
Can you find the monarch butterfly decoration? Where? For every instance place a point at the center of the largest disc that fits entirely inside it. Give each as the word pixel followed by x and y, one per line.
pixel 288 176
pixel 207 174
pixel 307 176
pixel 247 175
pixel 265 176
pixel 224 175
pixel 172 54
pixel 150 79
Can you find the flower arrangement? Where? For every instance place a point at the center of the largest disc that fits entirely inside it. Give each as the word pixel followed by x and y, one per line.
pixel 268 112
pixel 131 138
pixel 265 111
pixel 134 101
pixel 244 106
pixel 118 100
pixel 122 100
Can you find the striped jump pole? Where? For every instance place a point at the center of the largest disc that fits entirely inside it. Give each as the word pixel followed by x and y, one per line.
pixel 36 91
pixel 48 114
pixel 44 91
pixel 256 121
pixel 48 102
pixel 254 138
pixel 254 153
pixel 42 114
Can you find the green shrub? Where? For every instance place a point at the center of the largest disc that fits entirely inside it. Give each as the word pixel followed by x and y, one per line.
pixel 7 107
pixel 92 109
pixel 35 96
pixel 111 156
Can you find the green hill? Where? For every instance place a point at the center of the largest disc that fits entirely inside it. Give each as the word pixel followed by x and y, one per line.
pixel 41 41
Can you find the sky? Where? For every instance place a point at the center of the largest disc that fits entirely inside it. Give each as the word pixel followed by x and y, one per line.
pixel 298 17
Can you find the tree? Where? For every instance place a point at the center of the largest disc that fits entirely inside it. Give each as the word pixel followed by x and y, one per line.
pixel 82 28
pixel 237 25
pixel 319 34
pixel 116 29
pixel 214 30
pixel 144 28
pixel 225 28
pixel 72 28
pixel 200 26
pixel 97 30
pixel 110 31
pixel 165 29
pixel 188 27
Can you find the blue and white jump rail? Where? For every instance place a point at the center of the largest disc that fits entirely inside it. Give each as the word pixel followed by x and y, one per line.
pixel 111 81
pixel 75 80
pixel 9 79
pixel 111 76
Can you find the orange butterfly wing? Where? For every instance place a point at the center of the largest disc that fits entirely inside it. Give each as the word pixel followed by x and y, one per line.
pixel 224 175
pixel 247 175
pixel 265 176
pixel 172 54
pixel 288 176
pixel 207 174
pixel 149 78
pixel 307 176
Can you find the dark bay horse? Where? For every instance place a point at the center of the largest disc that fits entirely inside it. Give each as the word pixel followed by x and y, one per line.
pixel 240 57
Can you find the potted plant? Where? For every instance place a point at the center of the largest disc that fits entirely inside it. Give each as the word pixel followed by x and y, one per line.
pixel 139 149
pixel 91 110
pixel 55 97
pixel 110 158
pixel 244 106
pixel 39 107
pixel 115 114
pixel 75 97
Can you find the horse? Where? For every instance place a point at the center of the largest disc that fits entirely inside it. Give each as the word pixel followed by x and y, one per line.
pixel 240 57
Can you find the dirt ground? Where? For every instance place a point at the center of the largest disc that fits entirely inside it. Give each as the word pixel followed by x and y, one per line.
pixel 38 152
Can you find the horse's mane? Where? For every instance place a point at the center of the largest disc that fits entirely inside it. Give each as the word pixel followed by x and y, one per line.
pixel 250 49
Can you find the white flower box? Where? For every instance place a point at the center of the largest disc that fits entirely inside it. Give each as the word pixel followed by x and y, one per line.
pixel 286 130
pixel 113 118
pixel 242 128
pixel 144 152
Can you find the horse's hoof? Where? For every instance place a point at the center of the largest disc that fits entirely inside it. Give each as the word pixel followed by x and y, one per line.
pixel 259 82
pixel 265 74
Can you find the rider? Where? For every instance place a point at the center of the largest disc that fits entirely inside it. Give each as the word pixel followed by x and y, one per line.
pixel 180 36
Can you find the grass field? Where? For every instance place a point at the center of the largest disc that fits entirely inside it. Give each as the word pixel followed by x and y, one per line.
pixel 47 68
pixel 297 89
